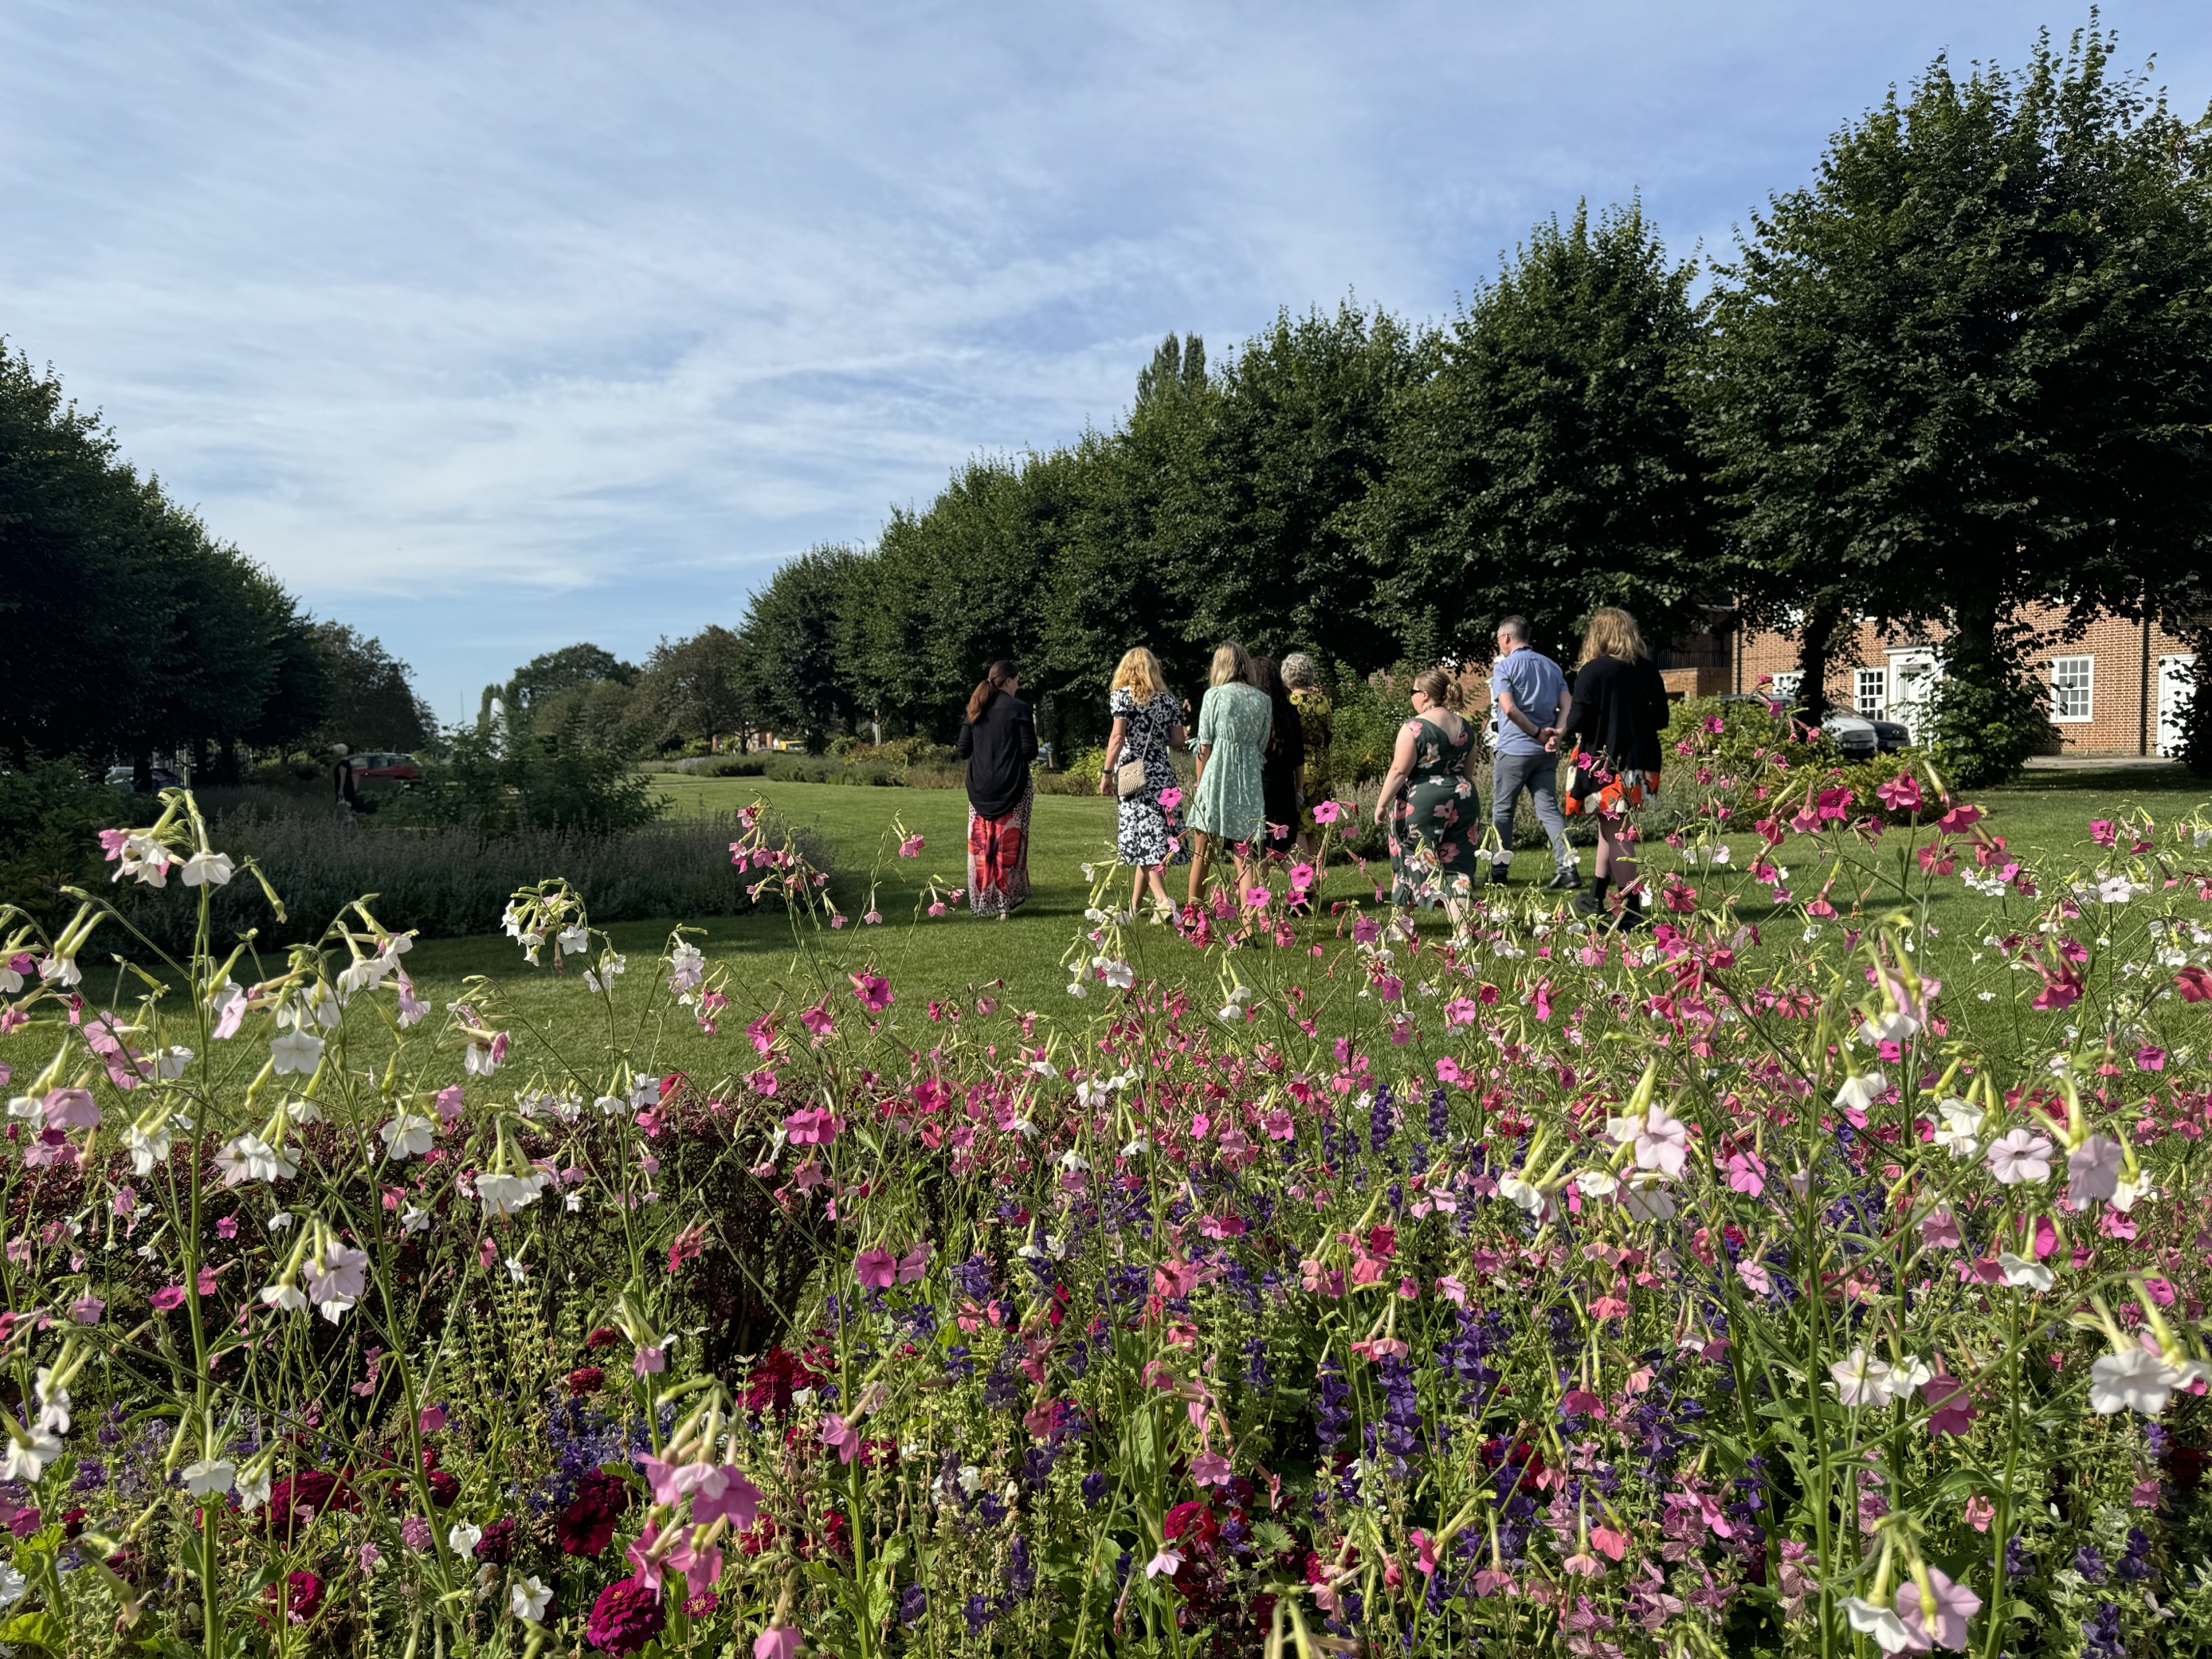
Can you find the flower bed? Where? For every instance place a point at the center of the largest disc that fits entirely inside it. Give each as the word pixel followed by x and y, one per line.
pixel 1552 1289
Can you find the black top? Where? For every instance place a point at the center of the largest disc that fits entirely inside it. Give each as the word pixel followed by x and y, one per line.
pixel 998 745
pixel 1621 709
pixel 1281 767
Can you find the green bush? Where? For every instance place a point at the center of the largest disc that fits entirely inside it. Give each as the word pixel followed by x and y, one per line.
pixel 450 880
pixel 497 780
pixel 50 812
pixel 1984 728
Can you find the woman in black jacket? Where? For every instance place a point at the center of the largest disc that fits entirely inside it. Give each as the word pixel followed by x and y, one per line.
pixel 1614 717
pixel 1283 761
pixel 999 741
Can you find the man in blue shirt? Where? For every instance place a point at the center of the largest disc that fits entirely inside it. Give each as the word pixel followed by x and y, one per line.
pixel 1528 689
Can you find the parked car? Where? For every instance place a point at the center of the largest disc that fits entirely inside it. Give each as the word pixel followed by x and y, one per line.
pixel 1854 736
pixel 1891 737
pixel 122 777
pixel 377 767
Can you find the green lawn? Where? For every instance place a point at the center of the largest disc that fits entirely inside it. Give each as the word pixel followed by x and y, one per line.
pixel 1017 961
pixel 2047 813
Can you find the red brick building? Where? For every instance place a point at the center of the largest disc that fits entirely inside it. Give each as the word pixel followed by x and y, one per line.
pixel 2117 689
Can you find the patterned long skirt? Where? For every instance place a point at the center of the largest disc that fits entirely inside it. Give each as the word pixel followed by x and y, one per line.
pixel 999 859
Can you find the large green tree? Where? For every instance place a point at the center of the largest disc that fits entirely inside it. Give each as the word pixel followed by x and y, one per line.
pixel 694 688
pixel 371 699
pixel 1253 527
pixel 1968 368
pixel 794 644
pixel 1546 466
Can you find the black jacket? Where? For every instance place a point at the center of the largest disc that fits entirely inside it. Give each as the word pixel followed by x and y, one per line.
pixel 998 745
pixel 1621 709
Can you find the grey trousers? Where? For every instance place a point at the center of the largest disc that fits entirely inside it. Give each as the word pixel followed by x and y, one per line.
pixel 1539 774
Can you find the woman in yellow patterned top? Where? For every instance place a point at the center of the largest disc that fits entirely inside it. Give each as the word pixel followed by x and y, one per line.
pixel 1313 707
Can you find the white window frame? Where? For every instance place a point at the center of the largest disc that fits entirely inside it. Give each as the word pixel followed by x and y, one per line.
pixel 1878 679
pixel 2060 689
pixel 1785 684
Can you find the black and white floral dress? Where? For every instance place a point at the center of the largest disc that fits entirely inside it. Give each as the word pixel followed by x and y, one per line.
pixel 1150 831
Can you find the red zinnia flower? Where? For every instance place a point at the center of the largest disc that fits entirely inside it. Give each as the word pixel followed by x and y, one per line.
pixel 625 1618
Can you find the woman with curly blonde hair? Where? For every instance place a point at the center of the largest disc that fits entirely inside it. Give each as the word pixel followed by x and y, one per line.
pixel 1147 731
pixel 1614 717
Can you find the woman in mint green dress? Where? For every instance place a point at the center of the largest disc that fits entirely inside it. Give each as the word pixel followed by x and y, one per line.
pixel 1230 803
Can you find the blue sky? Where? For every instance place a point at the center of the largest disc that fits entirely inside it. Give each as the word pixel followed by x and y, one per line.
pixel 491 328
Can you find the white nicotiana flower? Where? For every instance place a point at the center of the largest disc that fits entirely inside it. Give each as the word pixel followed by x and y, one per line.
pixel 169 1063
pixel 529 1599
pixel 1646 1197
pixel 2138 1380
pixel 336 1279
pixel 210 1477
pixel 408 1136
pixel 414 1219
pixel 1863 1380
pixel 1961 1123
pixel 516 1271
pixel 462 1538
pixel 504 1195
pixel 1888 1028
pixel 147 1143
pixel 279 1221
pixel 295 1051
pixel 2023 1274
pixel 1859 1091
pixel 26 1460
pixel 1596 1184
pixel 249 1158
pixel 1881 1623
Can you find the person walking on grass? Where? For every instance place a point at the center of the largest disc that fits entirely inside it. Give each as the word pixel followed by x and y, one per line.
pixel 1530 691
pixel 1147 731
pixel 1614 719
pixel 999 741
pixel 1229 802
pixel 1285 759
pixel 1430 802
pixel 1315 725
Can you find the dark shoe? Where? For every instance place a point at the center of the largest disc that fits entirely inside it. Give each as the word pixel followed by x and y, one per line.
pixel 1590 903
pixel 1500 874
pixel 1562 880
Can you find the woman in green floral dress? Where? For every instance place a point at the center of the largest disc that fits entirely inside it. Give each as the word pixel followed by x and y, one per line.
pixel 1429 798
pixel 1230 803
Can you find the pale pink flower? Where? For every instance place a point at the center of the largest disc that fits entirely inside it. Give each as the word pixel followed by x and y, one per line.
pixel 1942 1619
pixel 2018 1155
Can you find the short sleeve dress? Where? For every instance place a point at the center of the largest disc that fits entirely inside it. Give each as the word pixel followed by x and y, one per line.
pixel 1435 826
pixel 1230 801
pixel 1150 831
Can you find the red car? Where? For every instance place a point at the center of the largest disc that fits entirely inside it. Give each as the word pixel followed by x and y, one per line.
pixel 385 767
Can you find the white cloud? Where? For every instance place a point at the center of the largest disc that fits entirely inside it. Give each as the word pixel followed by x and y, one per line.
pixel 577 317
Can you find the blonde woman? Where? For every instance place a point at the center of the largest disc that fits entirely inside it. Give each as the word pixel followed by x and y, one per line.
pixel 1147 729
pixel 1429 799
pixel 1614 718
pixel 1229 803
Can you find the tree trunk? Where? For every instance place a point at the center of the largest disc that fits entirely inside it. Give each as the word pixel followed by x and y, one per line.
pixel 1816 652
pixel 142 772
pixel 225 769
